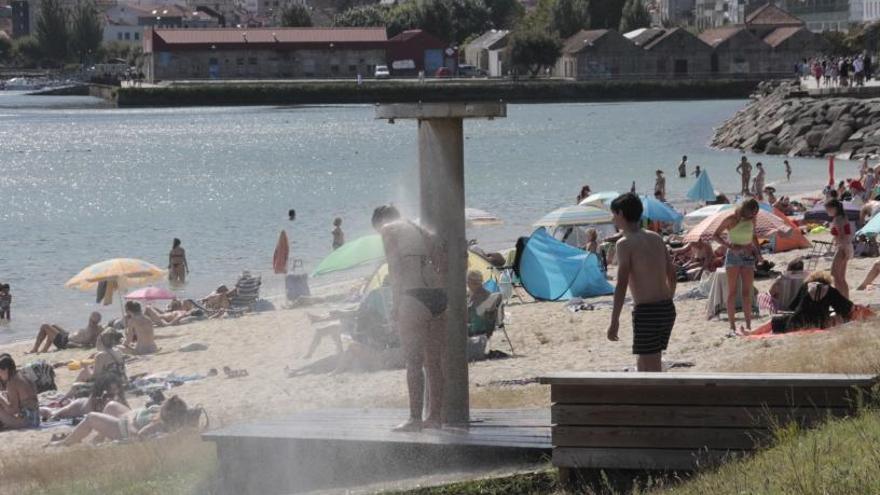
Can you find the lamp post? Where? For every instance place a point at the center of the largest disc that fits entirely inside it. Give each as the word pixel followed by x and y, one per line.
pixel 441 188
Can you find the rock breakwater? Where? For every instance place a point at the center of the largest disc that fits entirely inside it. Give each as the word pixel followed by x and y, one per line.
pixel 782 120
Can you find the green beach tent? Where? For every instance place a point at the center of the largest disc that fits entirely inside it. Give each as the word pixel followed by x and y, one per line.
pixel 361 251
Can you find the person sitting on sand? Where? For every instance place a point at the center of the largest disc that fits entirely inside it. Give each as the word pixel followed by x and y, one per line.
pixel 108 359
pixel 54 334
pixel 785 288
pixel 139 335
pixel 482 315
pixel 107 388
pixel 119 422
pixel 695 258
pixel 20 407
pixel 592 245
pixel 645 267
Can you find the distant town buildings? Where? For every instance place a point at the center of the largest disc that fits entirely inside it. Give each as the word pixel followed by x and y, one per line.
pixel 677 12
pixel 488 53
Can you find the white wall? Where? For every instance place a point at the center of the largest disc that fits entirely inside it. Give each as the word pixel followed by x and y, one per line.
pixel 123 34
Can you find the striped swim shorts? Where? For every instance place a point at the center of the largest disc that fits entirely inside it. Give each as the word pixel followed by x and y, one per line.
pixel 652 326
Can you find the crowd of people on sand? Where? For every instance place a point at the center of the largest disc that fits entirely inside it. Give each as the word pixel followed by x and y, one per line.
pixel 837 71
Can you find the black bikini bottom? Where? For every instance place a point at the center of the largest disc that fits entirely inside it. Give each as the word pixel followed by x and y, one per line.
pixel 433 299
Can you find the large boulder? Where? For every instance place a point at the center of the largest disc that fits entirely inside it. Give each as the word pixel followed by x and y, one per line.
pixel 832 140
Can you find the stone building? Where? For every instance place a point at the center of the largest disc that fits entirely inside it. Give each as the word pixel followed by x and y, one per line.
pixel 263 53
pixel 736 51
pixel 415 50
pixel 487 52
pixel 598 54
pixel 671 53
pixel 677 12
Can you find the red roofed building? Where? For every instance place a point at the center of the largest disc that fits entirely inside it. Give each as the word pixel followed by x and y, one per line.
pixel 263 53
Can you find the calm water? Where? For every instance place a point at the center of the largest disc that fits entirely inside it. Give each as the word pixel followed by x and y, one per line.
pixel 80 183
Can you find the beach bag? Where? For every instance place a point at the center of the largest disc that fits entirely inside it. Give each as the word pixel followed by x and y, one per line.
pixel 41 374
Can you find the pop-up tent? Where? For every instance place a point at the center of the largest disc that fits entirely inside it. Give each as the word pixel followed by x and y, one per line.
pixel 702 190
pixel 551 270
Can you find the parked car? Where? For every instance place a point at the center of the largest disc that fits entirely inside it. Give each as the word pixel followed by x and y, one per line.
pixel 469 71
pixel 443 72
pixel 382 72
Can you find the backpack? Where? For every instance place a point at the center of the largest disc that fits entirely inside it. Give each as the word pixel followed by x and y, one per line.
pixel 41 374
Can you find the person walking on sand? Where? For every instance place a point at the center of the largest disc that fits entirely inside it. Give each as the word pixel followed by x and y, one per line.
pixel 787 171
pixel 650 281
pixel 178 268
pixel 660 186
pixel 338 234
pixel 682 167
pixel 742 255
pixel 841 232
pixel 744 169
pixel 760 177
pixel 417 265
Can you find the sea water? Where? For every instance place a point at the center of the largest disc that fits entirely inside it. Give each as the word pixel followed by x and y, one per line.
pixel 80 182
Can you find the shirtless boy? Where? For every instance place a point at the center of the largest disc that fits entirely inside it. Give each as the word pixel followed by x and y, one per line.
pixel 418 270
pixel 139 338
pixel 652 284
pixel 744 169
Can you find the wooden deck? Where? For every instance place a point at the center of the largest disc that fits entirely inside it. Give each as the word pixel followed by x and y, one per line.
pixel 350 447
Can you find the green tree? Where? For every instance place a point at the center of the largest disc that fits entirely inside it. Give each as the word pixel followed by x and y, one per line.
pixel 51 31
pixel 505 14
pixel 570 16
pixel 26 51
pixel 635 16
pixel 296 15
pixel 5 49
pixel 532 50
pixel 86 31
pixel 367 16
pixel 605 14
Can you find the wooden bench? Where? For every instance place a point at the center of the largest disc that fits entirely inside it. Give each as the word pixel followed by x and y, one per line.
pixel 680 421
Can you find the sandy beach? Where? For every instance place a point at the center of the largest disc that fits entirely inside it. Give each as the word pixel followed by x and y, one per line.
pixel 546 336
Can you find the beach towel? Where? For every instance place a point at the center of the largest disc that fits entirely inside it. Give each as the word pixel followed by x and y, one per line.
pixel 765 331
pixel 41 374
pixel 282 251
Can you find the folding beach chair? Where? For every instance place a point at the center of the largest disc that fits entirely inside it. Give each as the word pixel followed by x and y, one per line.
pixel 820 249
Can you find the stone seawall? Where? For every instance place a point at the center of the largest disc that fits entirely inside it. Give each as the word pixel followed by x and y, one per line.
pixel 782 120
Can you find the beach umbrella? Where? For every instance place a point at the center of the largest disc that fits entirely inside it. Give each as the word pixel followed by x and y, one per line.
pixel 151 294
pixel 872 228
pixel 600 199
pixel 574 215
pixel 698 215
pixel 475 262
pixel 766 224
pixel 817 213
pixel 478 218
pixel 658 211
pixel 352 254
pixel 126 272
pixel 702 190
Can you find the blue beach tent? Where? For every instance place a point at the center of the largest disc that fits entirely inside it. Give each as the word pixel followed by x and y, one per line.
pixel 872 228
pixel 702 190
pixel 658 211
pixel 551 270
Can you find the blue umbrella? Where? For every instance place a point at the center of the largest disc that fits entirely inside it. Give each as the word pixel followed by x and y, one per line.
pixel 659 211
pixel 702 190
pixel 872 228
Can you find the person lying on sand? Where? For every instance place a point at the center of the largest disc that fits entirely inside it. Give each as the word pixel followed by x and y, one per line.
pixel 119 422
pixel 139 336
pixel 20 407
pixel 108 359
pixel 178 316
pixel 107 388
pixel 53 334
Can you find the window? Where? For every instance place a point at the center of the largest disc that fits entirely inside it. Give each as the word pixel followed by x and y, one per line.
pixel 137 36
pixel 352 68
pixel 252 60
pixel 239 61
pixel 334 69
pixel 212 61
pixel 119 36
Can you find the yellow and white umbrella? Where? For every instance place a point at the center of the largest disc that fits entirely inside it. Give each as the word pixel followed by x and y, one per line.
pixel 126 272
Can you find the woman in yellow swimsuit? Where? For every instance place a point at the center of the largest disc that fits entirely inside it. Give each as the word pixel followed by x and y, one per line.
pixel 742 254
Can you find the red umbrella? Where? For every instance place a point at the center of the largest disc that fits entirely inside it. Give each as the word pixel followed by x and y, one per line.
pixel 831 170
pixel 766 224
pixel 151 294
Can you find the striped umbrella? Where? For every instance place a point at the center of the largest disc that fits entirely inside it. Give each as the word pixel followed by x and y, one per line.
pixel 574 215
pixel 766 224
pixel 126 272
pixel 600 199
pixel 151 294
pixel 698 215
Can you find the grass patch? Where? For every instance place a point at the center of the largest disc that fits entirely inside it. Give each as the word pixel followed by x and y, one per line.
pixel 536 483
pixel 179 464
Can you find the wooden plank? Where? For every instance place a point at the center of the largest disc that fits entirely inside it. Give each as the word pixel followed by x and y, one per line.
pixel 704 395
pixel 640 459
pixel 713 379
pixel 678 415
pixel 658 437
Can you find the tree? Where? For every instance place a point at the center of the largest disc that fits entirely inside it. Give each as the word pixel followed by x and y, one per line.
pixel 605 14
pixel 531 50
pixel 296 15
pixel 505 14
pixel 86 31
pixel 570 16
pixel 26 51
pixel 5 49
pixel 51 30
pixel 635 16
pixel 367 16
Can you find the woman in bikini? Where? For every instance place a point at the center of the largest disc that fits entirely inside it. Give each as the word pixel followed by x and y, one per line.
pixel 418 270
pixel 20 407
pixel 742 254
pixel 178 268
pixel 842 233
